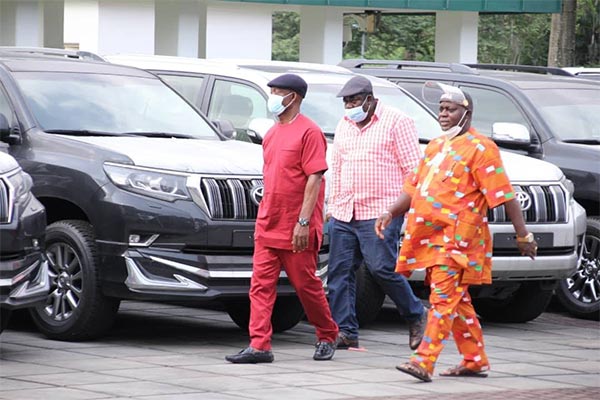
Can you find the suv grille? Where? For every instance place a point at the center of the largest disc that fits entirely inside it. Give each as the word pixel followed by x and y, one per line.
pixel 548 205
pixel 231 198
pixel 4 204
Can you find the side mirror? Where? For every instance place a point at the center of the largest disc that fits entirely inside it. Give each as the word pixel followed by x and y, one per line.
pixel 258 128
pixel 4 128
pixel 511 133
pixel 226 128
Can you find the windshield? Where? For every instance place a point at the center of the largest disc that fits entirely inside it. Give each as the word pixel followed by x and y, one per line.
pixel 111 104
pixel 326 110
pixel 571 114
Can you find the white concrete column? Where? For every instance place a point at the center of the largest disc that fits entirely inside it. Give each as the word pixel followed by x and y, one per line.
pixel 237 30
pixel 126 26
pixel 456 36
pixel 31 23
pixel 321 34
pixel 81 24
pixel 178 27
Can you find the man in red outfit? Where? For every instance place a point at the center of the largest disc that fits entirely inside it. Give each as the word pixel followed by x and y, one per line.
pixel 289 224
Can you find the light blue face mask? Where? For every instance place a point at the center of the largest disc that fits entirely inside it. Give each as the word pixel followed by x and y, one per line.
pixel 357 114
pixel 275 103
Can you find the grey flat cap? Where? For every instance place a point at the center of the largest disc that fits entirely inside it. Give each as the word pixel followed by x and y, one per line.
pixel 291 82
pixel 356 85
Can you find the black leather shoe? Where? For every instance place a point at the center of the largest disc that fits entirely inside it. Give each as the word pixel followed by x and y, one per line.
pixel 344 342
pixel 416 329
pixel 324 351
pixel 251 356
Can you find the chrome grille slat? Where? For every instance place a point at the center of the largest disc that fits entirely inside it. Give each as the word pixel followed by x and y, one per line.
pixel 4 202
pixel 229 197
pixel 549 205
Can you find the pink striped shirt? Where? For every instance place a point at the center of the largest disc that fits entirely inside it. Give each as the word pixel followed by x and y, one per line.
pixel 369 165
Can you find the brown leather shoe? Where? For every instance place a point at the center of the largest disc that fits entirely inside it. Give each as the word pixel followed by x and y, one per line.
pixel 416 329
pixel 344 342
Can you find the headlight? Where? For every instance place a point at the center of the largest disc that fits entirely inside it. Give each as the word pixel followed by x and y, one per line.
pixel 568 184
pixel 152 183
pixel 22 184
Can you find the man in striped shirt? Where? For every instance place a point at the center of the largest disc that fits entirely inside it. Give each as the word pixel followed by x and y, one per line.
pixel 375 148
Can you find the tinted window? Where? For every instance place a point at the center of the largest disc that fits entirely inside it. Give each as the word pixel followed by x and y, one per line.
pixel 237 103
pixel 571 114
pixel 189 87
pixel 490 106
pixel 109 103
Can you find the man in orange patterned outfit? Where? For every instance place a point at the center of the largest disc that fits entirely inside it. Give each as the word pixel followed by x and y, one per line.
pixel 447 198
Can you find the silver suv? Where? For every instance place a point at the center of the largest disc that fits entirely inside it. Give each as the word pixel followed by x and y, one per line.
pixel 236 90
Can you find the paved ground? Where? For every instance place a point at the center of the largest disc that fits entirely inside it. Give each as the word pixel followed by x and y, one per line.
pixel 165 352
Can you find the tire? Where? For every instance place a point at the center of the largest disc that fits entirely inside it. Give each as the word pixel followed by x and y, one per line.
pixel 76 309
pixel 4 319
pixel 287 313
pixel 369 296
pixel 580 293
pixel 526 304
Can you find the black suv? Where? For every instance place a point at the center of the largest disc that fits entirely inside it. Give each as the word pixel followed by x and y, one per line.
pixel 536 111
pixel 145 198
pixel 23 267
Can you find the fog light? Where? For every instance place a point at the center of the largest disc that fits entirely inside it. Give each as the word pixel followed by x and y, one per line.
pixel 134 239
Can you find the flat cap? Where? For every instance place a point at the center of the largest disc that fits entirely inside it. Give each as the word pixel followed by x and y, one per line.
pixel 356 85
pixel 290 81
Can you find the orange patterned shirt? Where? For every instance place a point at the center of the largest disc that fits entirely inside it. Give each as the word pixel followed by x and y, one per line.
pixel 451 190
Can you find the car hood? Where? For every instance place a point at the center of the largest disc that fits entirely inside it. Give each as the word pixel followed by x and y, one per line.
pixel 185 155
pixel 527 169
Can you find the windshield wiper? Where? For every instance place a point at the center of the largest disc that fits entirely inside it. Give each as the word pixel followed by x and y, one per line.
pixel 162 135
pixel 83 132
pixel 582 141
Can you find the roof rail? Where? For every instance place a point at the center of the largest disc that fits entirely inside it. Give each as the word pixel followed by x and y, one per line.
pixel 358 63
pixel 48 51
pixel 522 68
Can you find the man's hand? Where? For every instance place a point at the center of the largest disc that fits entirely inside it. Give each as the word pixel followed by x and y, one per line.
pixel 300 238
pixel 528 249
pixel 382 222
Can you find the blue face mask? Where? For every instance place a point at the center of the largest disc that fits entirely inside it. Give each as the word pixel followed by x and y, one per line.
pixel 275 103
pixel 357 114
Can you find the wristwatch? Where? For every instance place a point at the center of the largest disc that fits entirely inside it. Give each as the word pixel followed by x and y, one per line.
pixel 302 221
pixel 526 239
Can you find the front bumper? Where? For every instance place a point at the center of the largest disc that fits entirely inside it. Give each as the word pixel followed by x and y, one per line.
pixel 25 281
pixel 182 255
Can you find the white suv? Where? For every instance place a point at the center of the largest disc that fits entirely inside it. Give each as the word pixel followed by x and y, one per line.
pixel 236 91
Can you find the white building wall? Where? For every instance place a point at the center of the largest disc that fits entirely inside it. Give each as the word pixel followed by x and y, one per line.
pixel 456 36
pixel 236 30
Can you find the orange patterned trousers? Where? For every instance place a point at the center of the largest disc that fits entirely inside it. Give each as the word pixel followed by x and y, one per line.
pixel 451 311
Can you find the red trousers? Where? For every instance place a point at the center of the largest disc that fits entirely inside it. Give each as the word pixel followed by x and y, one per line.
pixel 451 311
pixel 300 268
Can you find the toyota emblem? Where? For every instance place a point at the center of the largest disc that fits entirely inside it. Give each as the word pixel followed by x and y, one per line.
pixel 256 194
pixel 524 200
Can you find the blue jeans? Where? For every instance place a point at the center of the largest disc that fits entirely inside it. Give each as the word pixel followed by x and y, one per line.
pixel 351 243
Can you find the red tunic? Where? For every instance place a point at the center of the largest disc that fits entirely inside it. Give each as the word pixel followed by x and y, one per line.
pixel 291 152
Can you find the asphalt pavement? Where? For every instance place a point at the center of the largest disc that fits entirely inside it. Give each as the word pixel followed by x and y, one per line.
pixel 169 352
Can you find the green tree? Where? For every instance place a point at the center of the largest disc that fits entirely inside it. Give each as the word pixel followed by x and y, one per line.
pixel 587 33
pixel 286 36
